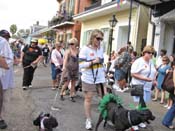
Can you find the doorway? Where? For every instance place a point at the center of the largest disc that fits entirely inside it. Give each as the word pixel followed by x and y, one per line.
pixel 122 36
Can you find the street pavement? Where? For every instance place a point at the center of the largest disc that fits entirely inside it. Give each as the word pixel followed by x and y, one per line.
pixel 22 107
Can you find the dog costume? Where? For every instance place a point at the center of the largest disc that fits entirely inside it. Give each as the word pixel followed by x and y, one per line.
pixel 111 109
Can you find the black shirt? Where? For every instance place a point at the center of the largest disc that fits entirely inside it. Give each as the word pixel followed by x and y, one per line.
pixel 45 51
pixel 31 53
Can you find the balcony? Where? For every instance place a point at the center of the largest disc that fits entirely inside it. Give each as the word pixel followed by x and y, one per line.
pixel 61 18
pixel 97 4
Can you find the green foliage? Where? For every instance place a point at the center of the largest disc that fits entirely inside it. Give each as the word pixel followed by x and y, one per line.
pixel 22 33
pixel 13 29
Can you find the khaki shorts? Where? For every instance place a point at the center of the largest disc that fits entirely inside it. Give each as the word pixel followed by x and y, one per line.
pixel 91 87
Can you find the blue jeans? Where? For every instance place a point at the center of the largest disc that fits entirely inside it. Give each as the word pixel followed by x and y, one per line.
pixel 169 116
pixel 119 74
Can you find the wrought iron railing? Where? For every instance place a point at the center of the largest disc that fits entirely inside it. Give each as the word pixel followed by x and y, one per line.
pixel 61 18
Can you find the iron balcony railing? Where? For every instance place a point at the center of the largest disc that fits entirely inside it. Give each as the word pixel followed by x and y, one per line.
pixel 61 18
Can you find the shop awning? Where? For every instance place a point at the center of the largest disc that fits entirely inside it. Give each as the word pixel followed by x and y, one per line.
pixel 168 17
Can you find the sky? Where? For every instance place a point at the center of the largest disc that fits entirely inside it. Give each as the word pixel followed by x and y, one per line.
pixel 25 13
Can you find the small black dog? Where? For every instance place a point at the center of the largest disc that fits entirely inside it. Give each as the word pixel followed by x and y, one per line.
pixel 122 118
pixel 46 122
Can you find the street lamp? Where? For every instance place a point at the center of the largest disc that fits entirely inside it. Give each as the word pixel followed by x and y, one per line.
pixel 112 23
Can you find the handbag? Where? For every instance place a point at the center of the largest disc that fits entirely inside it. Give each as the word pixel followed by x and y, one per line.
pixel 137 90
pixel 168 84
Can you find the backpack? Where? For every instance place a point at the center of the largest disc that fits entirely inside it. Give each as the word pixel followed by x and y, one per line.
pixel 123 61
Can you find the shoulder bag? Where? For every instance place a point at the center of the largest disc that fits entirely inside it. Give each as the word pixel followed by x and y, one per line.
pixel 168 84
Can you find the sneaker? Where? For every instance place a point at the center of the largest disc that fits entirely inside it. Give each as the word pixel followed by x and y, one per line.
pixel 166 106
pixel 88 124
pixel 135 128
pixel 30 86
pixel 142 125
pixel 24 87
pixel 3 125
pixel 53 88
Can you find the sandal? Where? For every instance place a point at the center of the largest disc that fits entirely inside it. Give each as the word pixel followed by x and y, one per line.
pixel 161 102
pixel 154 99
pixel 3 125
pixel 61 98
pixel 72 99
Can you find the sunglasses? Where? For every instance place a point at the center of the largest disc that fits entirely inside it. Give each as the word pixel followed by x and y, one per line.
pixel 71 44
pixel 164 60
pixel 150 53
pixel 99 38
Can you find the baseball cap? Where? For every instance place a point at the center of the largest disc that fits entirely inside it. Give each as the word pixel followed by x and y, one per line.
pixel 4 33
pixel 34 41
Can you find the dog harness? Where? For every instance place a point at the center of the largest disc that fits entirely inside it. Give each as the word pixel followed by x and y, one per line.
pixel 129 118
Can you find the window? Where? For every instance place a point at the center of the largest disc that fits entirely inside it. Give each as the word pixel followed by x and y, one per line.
pixel 105 42
pixel 105 1
pixel 68 36
pixel 60 37
pixel 70 7
pixel 86 37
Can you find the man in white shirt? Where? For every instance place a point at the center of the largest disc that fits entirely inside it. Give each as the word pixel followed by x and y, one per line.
pixel 159 59
pixel 5 53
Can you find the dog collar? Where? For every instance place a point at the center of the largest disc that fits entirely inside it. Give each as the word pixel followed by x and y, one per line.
pixel 129 118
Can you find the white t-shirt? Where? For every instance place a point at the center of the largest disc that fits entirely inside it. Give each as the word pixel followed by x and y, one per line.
pixel 144 68
pixel 159 61
pixel 88 54
pixel 5 51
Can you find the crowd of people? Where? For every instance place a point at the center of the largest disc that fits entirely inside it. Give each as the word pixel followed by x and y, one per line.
pixel 124 68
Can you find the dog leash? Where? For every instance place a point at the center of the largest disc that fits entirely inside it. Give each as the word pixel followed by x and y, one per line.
pixel 129 118
pixel 31 65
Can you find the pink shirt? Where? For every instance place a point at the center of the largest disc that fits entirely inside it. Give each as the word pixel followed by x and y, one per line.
pixel 56 58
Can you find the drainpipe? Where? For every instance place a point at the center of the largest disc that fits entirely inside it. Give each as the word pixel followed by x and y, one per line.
pixel 129 24
pixel 154 27
pixel 78 7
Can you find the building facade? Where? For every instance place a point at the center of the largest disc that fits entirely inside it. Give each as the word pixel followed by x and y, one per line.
pixel 63 22
pixel 98 16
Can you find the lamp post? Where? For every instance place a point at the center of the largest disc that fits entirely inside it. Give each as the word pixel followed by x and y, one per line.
pixel 112 23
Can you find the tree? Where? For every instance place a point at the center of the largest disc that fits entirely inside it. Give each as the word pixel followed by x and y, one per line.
pixel 13 29
pixel 23 33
